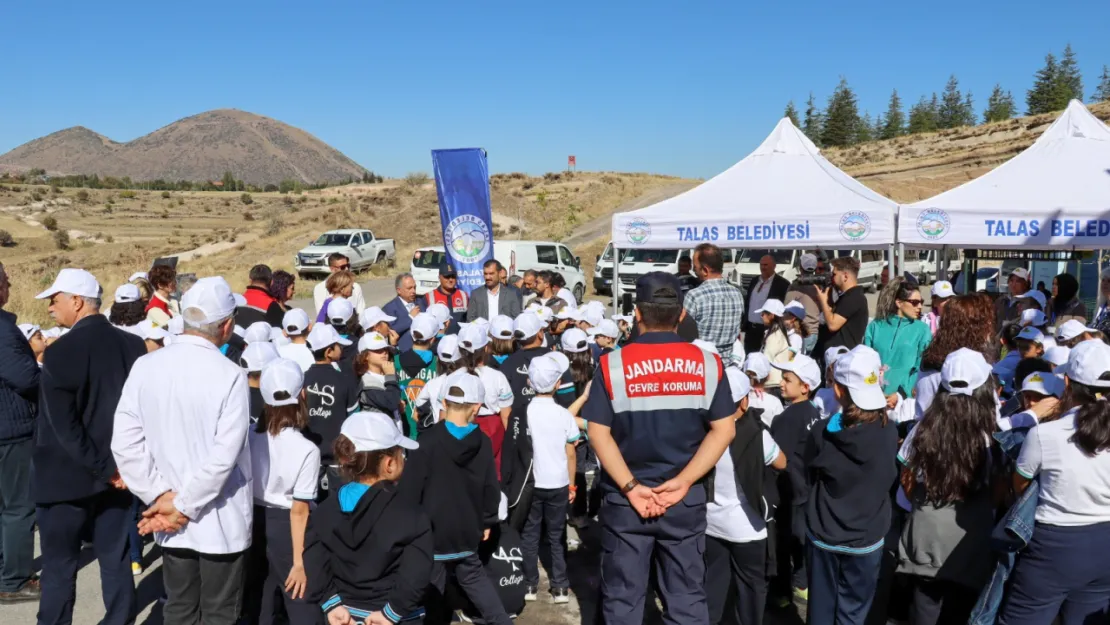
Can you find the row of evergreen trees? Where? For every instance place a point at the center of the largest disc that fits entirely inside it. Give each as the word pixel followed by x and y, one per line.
pixel 840 123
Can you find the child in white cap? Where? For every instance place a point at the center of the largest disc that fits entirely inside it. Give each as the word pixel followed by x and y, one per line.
pixel 824 399
pixel 128 309
pixel 255 357
pixel 33 334
pixel 332 394
pixel 493 414
pixel 416 367
pixel 429 403
pixel 941 293
pixel 285 470
pixel 377 373
pixel 758 369
pixel 368 551
pixel 501 344
pixel 295 326
pixel 554 434
pixel 776 341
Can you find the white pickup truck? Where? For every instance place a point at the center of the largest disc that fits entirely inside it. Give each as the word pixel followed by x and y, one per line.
pixel 360 246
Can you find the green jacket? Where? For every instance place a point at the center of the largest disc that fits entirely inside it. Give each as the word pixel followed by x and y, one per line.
pixel 900 343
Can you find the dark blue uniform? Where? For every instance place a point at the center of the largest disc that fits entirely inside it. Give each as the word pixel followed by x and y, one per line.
pixel 658 395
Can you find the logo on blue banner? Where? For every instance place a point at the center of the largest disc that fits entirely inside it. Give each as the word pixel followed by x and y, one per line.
pixel 462 185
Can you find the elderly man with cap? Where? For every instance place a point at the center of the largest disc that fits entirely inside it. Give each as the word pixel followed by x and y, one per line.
pixel 803 291
pixel 77 486
pixel 19 385
pixel 181 445
pixel 448 293
pixel 659 419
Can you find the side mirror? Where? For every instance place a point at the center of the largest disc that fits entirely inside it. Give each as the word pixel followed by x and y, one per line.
pixel 597 259
pixel 578 261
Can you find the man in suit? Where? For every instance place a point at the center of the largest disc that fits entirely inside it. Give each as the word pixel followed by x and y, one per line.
pixel 769 285
pixel 76 484
pixel 494 298
pixel 404 308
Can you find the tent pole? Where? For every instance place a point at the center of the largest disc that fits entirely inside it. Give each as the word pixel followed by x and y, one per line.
pixel 901 259
pixel 892 269
pixel 942 263
pixel 616 278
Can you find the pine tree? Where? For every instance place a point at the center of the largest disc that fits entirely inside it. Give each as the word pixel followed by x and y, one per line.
pixel 951 112
pixel 968 117
pixel 877 128
pixel 1040 99
pixel 923 116
pixel 1000 106
pixel 1102 91
pixel 229 181
pixel 864 129
pixel 1069 81
pixel 814 120
pixel 841 117
pixel 894 123
pixel 792 114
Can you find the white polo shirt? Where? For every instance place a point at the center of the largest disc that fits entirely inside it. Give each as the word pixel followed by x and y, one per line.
pixel 552 427
pixel 286 467
pixel 1075 487
pixel 320 295
pixel 731 516
pixel 498 392
pixel 771 406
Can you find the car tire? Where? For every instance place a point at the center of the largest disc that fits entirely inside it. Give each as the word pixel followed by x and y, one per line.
pixel 380 258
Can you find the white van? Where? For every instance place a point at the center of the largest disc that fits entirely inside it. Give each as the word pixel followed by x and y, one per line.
pixel 747 264
pixel 929 267
pixel 516 256
pixel 636 262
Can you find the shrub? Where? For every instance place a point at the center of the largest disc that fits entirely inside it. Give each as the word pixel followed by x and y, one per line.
pixel 274 226
pixel 107 208
pixel 246 198
pixel 416 179
pixel 247 216
pixel 6 239
pixel 127 194
pixel 17 188
pixel 83 196
pixel 61 239
pixel 55 189
pixel 208 209
pixel 270 188
pixel 109 239
pixel 288 201
pixel 302 199
pixel 165 195
pixel 165 214
pixel 36 196
pixel 111 201
pixel 227 202
pixel 181 201
pixel 50 223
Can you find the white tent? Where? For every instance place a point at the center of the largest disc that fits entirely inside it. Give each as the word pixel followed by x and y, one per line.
pixel 1054 195
pixel 782 195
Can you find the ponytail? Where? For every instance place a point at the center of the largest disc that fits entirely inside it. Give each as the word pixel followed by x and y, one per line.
pixel 1092 419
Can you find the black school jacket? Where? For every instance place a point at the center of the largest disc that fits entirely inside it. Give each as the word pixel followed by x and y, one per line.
pixel 376 557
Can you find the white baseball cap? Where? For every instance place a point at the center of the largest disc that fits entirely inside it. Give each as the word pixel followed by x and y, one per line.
pixel 574 341
pixel 176 325
pixel 1071 329
pixel 424 327
pixel 138 275
pixel 374 431
pixel 758 364
pixel 1029 333
pixel 625 318
pixel 127 293
pixel 1042 384
pixel 281 376
pixel 473 338
pixel 544 372
pixel 257 332
pixel 544 313
pixel 963 371
pixel 804 367
pixel 1087 362
pixel 1057 355
pixel 858 370
pixel 440 311
pixel 1033 317
pixel 372 341
pixel 832 354
pixel 295 322
pixel 942 289
pixel 527 325
pixel 795 308
pixel 257 355
pixel 373 316
pixel 774 307
pixel 73 281
pixel 479 322
pixel 568 312
pixel 340 311
pixel 54 333
pixel 1048 342
pixel 739 383
pixel 208 301
pixel 151 331
pixel 469 384
pixel 594 313
pixel 1035 294
pixel 706 345
pixel 607 327
pixel 501 327
pixel 278 338
pixel 1021 272
pixel 28 330
pixel 808 262
pixel 448 348
pixel 323 336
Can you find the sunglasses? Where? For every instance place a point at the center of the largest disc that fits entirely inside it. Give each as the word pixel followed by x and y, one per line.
pixel 914 302
pixel 343 267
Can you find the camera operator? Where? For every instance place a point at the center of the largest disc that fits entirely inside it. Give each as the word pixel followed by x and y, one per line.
pixel 804 291
pixel 769 285
pixel 846 321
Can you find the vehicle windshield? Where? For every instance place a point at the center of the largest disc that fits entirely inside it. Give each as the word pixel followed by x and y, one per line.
pixel 986 272
pixel 608 253
pixel 428 259
pixel 782 257
pixel 332 239
pixel 650 256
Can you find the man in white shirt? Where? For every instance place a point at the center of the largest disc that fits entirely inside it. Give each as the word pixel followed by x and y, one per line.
pixel 180 442
pixel 338 262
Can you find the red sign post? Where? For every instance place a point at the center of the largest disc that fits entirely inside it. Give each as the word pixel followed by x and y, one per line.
pixel 570 162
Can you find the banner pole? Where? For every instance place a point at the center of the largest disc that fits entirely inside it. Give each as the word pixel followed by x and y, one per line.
pixel 616 278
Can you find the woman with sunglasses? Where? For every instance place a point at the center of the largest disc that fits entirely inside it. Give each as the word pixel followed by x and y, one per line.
pixel 900 337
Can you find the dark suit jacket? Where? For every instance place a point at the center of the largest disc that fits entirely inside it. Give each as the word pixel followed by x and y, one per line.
pixel 509 302
pixel 396 308
pixel 82 377
pixel 779 286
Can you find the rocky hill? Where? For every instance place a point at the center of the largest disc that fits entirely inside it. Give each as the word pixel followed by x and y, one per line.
pixel 254 148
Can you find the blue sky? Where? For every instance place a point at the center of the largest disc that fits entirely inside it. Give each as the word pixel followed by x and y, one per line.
pixel 683 88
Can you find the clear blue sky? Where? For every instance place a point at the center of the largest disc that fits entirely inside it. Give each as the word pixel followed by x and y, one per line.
pixel 684 88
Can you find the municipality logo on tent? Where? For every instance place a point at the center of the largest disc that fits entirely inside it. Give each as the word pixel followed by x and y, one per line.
pixel 467 238
pixel 855 226
pixel 638 231
pixel 933 224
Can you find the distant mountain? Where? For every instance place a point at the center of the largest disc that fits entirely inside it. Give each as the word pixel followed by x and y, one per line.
pixel 255 149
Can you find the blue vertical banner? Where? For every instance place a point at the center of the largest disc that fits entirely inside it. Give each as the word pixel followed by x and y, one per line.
pixel 462 185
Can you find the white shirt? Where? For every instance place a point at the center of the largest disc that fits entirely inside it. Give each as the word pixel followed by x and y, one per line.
pixel 824 400
pixel 498 392
pixel 552 427
pixel 285 467
pixel 771 405
pixel 731 516
pixel 181 425
pixel 795 341
pixel 924 391
pixel 298 353
pixel 567 296
pixel 1075 487
pixel 320 295
pixel 761 289
pixel 494 298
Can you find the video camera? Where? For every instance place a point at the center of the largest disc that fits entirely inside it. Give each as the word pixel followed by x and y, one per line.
pixel 821 281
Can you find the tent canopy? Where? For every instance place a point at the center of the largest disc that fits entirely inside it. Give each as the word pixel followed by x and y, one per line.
pixel 782 195
pixel 1054 195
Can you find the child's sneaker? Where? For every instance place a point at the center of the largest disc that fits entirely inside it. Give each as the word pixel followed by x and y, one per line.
pixel 560 595
pixel 136 569
pixel 801 596
pixel 530 594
